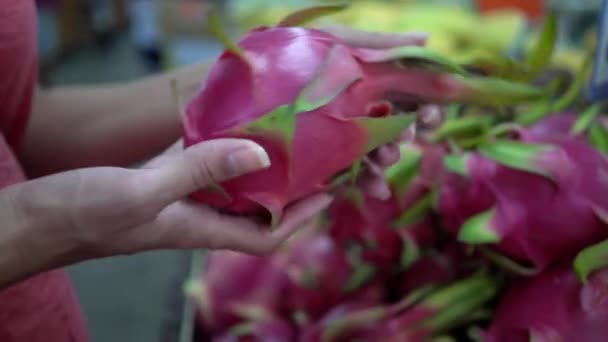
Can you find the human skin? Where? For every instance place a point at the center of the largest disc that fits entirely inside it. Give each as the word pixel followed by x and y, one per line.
pixel 84 202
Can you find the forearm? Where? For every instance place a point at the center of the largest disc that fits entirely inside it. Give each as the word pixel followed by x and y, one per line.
pixel 24 249
pixel 120 124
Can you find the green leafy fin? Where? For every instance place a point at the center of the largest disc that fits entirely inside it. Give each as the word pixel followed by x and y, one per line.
pixel 457 300
pixel 410 253
pixel 462 126
pixel 534 113
pixel 507 264
pixel 306 15
pixel 354 171
pixel 591 259
pixel 415 212
pixel 337 72
pixel 362 273
pixel 383 130
pixel 575 88
pixel 279 124
pixel 598 137
pixel 541 54
pixel 457 163
pixel 412 54
pixel 216 28
pixel 585 119
pixel 400 175
pixel 518 155
pixel 493 91
pixel 479 229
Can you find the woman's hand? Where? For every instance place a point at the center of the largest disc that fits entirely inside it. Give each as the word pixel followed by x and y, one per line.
pixel 97 212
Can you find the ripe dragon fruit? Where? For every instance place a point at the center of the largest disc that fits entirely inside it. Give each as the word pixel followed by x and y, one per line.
pixel 321 274
pixel 561 304
pixel 436 266
pixel 417 317
pixel 387 233
pixel 295 90
pixel 253 289
pixel 538 200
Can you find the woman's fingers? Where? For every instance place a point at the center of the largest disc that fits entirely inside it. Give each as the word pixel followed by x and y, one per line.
pixel 198 167
pixel 190 225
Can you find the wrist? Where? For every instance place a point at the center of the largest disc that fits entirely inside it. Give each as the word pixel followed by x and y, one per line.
pixel 28 244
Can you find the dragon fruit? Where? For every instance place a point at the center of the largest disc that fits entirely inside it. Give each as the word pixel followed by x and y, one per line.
pixel 321 274
pixel 416 317
pixel 437 266
pixel 295 90
pixel 556 305
pixel 525 196
pixel 252 291
pixel 388 232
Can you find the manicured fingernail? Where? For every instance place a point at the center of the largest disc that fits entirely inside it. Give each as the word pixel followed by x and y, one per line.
pixel 250 157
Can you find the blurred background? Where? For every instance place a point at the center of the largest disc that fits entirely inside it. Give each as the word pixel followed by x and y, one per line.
pixel 136 298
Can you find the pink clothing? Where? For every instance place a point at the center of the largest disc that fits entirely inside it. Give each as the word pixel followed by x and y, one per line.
pixel 43 308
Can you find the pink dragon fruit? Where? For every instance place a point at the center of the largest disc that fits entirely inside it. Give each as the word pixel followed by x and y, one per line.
pixel 237 287
pixel 437 266
pixel 526 196
pixel 367 298
pixel 321 274
pixel 417 317
pixel 555 305
pixel 296 90
pixel 387 233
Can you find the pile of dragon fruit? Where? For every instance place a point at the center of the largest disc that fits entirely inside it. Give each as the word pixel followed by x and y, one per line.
pixel 497 222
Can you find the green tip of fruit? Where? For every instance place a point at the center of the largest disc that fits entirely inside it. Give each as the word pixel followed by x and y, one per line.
pixel 518 155
pixel 415 55
pixel 362 273
pixel 380 131
pixel 410 254
pixel 585 119
pixel 479 229
pixel 499 92
pixel 591 259
pixel 457 163
pixel 542 52
pixel 415 212
pixel 306 15
pixel 216 28
pixel 598 137
pixel 400 175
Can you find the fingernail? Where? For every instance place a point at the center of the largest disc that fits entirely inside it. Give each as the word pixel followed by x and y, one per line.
pixel 250 157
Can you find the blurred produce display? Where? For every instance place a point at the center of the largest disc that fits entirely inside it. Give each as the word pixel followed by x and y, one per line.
pixel 496 227
pixel 456 28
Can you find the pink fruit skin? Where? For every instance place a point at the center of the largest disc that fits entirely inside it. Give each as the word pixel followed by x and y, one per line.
pixel 555 306
pixel 368 222
pixel 438 267
pixel 280 62
pixel 535 216
pixel 327 263
pixel 253 281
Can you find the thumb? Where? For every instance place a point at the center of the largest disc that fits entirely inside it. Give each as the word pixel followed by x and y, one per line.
pixel 203 165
